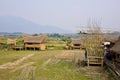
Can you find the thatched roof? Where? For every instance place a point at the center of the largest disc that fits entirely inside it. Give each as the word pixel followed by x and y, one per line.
pixel 76 41
pixel 112 39
pixel 34 39
pixel 116 47
pixel 11 41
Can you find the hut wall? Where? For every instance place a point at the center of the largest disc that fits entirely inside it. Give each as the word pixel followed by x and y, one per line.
pixel 42 46
pixel 34 45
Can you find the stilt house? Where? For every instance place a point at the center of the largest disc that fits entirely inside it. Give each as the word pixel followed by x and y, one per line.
pixel 76 43
pixel 34 42
pixel 11 43
pixel 115 51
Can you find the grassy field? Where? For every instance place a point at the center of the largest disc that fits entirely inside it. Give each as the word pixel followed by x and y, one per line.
pixel 44 65
pixel 51 43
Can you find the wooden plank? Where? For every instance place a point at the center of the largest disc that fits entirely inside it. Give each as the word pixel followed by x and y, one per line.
pixel 95 60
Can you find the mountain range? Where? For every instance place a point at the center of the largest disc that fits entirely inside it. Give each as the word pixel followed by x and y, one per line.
pixel 18 24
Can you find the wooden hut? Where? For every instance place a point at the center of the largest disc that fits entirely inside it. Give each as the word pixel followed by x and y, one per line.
pixel 109 42
pixel 34 42
pixel 76 43
pixel 11 43
pixel 115 54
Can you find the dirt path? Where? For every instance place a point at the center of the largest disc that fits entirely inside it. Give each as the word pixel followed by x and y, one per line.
pixel 23 66
pixel 46 62
pixel 11 65
pixel 73 55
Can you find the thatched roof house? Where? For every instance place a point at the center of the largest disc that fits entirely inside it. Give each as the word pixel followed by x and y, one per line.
pixel 116 47
pixel 76 43
pixel 112 39
pixel 34 41
pixel 109 42
pixel 115 50
pixel 11 41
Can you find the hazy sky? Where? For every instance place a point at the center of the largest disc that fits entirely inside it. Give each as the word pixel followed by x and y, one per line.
pixel 67 14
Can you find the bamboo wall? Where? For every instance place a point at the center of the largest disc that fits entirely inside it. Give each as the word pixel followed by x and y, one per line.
pixel 93 43
pixel 39 45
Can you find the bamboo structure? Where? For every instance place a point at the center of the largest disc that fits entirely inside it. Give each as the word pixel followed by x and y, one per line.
pixel 92 42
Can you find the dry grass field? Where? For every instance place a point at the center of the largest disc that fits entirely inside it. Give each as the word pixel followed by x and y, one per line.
pixel 47 65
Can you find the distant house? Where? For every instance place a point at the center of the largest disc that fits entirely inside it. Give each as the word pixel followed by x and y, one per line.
pixel 11 43
pixel 76 43
pixel 34 42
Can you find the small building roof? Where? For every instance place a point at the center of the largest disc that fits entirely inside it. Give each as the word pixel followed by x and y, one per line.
pixel 116 47
pixel 34 39
pixel 76 41
pixel 11 41
pixel 112 39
